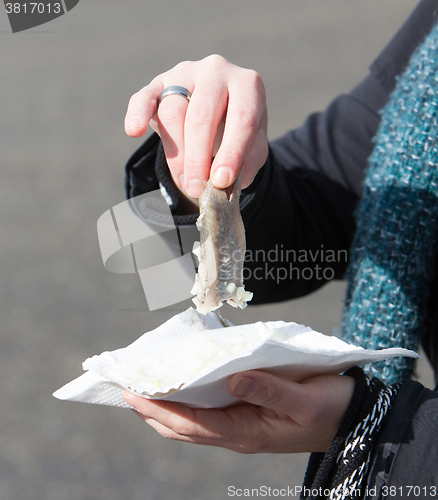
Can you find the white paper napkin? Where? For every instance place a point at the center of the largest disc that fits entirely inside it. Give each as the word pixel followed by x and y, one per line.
pixel 190 358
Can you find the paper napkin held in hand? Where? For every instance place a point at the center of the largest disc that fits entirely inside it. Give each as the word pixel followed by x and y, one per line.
pixel 191 357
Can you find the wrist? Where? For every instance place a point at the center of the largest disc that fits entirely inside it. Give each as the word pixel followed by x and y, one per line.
pixel 347 459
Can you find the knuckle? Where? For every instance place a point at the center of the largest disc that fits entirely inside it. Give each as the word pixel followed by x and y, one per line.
pixel 214 69
pixel 171 110
pixel 132 99
pixel 167 433
pixel 183 429
pixel 255 81
pixel 246 120
pixel 255 87
pixel 135 98
pixel 234 157
pixel 271 396
pixel 140 98
pixel 195 163
pixel 197 168
pixel 253 444
pixel 200 116
pixel 183 65
pixel 216 60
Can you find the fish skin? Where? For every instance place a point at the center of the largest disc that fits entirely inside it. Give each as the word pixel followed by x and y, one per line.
pixel 221 253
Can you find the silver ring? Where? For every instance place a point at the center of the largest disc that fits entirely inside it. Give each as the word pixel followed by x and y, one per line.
pixel 175 89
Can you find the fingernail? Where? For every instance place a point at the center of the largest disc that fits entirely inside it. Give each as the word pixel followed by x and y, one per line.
pixel 181 181
pixel 128 397
pixel 221 178
pixel 244 387
pixel 133 123
pixel 195 188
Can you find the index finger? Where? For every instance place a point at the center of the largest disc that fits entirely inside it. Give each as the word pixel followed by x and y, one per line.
pixel 220 427
pixel 142 107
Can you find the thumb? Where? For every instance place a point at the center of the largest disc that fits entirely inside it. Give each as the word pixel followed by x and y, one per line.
pixel 262 389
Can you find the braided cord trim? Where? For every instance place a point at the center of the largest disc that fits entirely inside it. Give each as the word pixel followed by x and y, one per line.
pixel 340 474
pixel 358 446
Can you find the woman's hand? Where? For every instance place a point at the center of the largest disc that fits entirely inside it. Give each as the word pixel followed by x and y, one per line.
pixel 221 93
pixel 275 416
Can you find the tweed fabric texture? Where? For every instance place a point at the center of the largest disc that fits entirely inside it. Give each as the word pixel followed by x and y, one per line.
pixel 392 262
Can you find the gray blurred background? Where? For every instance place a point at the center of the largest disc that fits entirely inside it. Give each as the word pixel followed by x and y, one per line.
pixel 64 90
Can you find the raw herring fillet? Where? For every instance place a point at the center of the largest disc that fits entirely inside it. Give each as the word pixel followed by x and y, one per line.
pixel 221 253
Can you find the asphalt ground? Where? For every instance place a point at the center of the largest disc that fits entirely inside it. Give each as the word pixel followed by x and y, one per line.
pixel 64 90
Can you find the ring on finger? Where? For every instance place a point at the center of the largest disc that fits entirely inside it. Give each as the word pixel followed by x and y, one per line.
pixel 175 90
